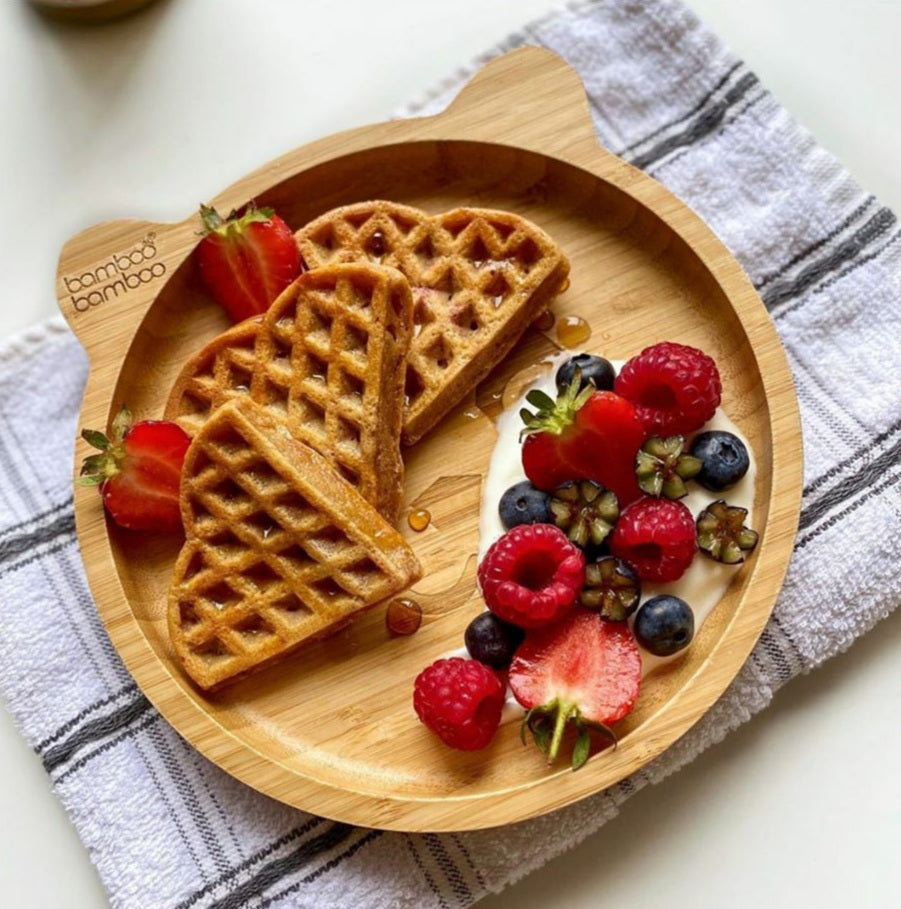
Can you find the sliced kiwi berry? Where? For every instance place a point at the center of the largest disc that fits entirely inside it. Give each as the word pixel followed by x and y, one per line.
pixel 612 588
pixel 585 510
pixel 662 467
pixel 722 534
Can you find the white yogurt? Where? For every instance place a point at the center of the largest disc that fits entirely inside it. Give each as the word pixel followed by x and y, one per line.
pixel 703 584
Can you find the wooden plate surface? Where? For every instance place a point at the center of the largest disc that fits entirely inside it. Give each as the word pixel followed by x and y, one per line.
pixel 332 730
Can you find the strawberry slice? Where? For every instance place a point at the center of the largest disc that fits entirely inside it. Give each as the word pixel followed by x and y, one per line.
pixel 246 260
pixel 138 471
pixel 582 435
pixel 583 671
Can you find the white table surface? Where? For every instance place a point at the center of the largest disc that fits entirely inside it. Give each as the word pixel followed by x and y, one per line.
pixel 148 116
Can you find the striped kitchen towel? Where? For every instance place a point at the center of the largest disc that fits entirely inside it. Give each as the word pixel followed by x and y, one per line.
pixel 165 827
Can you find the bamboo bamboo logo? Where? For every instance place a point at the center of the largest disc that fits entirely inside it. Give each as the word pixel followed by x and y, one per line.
pixel 120 273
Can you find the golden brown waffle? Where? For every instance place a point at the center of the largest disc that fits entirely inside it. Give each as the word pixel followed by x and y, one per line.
pixel 328 358
pixel 279 548
pixel 220 371
pixel 479 277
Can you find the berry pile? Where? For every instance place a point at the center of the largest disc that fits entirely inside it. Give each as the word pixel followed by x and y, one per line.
pixel 607 463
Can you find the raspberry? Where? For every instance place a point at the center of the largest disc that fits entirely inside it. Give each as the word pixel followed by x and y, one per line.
pixel 532 575
pixel 675 388
pixel 656 537
pixel 461 701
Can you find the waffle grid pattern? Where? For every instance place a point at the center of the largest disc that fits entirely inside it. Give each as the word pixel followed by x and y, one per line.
pixel 267 563
pixel 325 357
pixel 222 370
pixel 478 278
pixel 328 359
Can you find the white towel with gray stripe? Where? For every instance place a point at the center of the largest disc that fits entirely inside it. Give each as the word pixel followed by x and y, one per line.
pixel 168 829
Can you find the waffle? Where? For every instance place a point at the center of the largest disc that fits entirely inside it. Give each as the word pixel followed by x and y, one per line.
pixel 328 358
pixel 479 277
pixel 279 549
pixel 220 371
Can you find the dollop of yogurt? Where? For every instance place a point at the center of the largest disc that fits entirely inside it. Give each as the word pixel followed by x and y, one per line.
pixel 703 584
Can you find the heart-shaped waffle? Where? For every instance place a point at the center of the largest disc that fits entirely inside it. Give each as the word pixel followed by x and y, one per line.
pixel 222 369
pixel 279 548
pixel 328 358
pixel 479 277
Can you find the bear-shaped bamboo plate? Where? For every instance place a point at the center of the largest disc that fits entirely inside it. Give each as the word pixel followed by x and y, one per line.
pixel 334 733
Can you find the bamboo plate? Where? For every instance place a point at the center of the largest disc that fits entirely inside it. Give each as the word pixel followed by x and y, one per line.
pixel 333 731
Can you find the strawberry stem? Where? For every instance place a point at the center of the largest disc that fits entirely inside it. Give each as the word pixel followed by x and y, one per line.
pixel 96 469
pixel 213 222
pixel 553 416
pixel 547 723
pixel 564 712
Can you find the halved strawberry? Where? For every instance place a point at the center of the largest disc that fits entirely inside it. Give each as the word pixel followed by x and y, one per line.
pixel 246 260
pixel 138 471
pixel 582 671
pixel 582 435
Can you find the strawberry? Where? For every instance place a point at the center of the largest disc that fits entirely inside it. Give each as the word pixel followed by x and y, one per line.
pixel 246 260
pixel 138 471
pixel 584 435
pixel 583 672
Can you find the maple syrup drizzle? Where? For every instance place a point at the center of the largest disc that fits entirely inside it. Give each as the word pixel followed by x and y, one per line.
pixel 377 246
pixel 419 519
pixel 403 616
pixel 545 321
pixel 517 385
pixel 573 332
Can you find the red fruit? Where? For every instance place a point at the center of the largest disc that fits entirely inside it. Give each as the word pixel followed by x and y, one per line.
pixel 583 672
pixel 583 435
pixel 657 537
pixel 138 471
pixel 246 261
pixel 532 575
pixel 676 388
pixel 461 701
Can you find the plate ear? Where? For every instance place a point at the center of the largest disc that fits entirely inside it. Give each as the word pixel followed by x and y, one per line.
pixel 531 97
pixel 109 274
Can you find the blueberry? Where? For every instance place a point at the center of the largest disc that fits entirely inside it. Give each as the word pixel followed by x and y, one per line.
pixel 725 459
pixel 664 625
pixel 491 640
pixel 522 503
pixel 593 369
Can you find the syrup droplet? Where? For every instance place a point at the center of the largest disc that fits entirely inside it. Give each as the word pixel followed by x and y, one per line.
pixel 573 332
pixel 564 286
pixel 377 246
pixel 403 616
pixel 545 321
pixel 419 519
